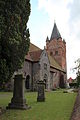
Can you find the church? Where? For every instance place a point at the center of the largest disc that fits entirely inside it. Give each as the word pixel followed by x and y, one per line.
pixel 48 64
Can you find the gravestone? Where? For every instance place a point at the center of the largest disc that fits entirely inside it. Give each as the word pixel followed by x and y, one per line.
pixel 2 110
pixel 18 101
pixel 41 91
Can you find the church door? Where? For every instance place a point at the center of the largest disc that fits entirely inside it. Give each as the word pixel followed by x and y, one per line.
pixel 61 83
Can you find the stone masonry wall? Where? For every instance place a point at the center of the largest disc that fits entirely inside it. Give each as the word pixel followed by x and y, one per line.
pixel 27 70
pixel 36 75
pixel 45 68
pixel 54 77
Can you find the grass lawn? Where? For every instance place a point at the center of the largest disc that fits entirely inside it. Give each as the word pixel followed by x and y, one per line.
pixel 58 106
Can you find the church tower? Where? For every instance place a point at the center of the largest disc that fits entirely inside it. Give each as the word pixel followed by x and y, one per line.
pixel 56 47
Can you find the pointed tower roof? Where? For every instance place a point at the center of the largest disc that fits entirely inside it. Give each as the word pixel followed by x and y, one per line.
pixel 55 32
pixel 47 39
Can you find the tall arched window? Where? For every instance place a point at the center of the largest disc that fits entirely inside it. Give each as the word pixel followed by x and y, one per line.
pixel 45 80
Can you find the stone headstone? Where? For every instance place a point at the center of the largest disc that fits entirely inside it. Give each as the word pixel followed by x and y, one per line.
pixel 2 110
pixel 18 101
pixel 41 91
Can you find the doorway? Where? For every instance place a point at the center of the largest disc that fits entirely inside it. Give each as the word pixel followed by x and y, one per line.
pixel 27 82
pixel 61 82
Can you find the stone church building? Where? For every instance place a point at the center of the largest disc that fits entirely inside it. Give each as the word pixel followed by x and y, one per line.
pixel 48 64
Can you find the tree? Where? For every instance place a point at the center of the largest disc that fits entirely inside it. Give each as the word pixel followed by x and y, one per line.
pixel 77 68
pixel 14 36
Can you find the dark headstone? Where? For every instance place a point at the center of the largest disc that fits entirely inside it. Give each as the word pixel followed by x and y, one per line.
pixel 41 91
pixel 18 101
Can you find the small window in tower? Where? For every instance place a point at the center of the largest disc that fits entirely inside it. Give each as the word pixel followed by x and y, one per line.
pixel 51 53
pixel 56 52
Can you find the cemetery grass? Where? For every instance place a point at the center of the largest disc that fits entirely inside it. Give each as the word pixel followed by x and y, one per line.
pixel 57 106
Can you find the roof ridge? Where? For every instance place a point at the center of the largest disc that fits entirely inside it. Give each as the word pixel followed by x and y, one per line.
pixel 34 45
pixel 35 51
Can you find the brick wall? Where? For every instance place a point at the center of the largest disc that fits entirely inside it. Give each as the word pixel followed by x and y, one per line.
pixel 57 49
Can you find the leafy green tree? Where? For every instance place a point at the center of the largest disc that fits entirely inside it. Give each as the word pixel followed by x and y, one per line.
pixel 78 71
pixel 14 36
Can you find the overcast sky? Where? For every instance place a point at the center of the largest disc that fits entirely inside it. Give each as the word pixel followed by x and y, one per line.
pixel 66 14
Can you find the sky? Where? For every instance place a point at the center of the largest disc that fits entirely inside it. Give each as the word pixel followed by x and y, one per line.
pixel 66 14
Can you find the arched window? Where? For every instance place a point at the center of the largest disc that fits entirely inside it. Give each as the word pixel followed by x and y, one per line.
pixel 56 52
pixel 27 82
pixel 45 80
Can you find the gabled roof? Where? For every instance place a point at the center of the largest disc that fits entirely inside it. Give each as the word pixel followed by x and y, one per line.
pixel 33 48
pixel 28 57
pixel 55 33
pixel 35 55
pixel 54 64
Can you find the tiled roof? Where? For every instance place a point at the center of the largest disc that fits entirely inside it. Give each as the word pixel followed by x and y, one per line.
pixel 28 57
pixel 55 33
pixel 33 48
pixel 54 64
pixel 35 55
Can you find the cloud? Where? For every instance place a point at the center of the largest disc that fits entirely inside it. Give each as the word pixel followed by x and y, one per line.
pixel 54 8
pixel 75 10
pixel 57 10
pixel 74 20
pixel 74 42
pixel 66 13
pixel 74 23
